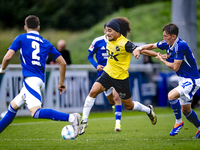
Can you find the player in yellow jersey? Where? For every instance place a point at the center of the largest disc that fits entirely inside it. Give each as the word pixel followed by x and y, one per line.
pixel 119 50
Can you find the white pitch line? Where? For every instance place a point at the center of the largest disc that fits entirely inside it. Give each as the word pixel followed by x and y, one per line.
pixel 92 119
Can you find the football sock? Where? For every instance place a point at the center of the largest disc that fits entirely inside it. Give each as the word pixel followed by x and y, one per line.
pixel 140 107
pixel 51 114
pixel 118 113
pixel 192 117
pixel 8 118
pixel 89 102
pixel 176 107
pixel 71 118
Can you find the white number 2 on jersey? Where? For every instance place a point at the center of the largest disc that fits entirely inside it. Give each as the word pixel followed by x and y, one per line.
pixel 35 45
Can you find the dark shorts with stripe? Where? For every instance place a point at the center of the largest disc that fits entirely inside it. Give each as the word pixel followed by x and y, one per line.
pixel 121 86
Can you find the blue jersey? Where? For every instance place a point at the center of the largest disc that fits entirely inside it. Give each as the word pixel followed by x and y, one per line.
pixel 98 47
pixel 181 51
pixel 34 50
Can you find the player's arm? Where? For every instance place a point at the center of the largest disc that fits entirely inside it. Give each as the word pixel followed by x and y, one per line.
pixel 93 62
pixel 6 60
pixel 174 66
pixel 61 86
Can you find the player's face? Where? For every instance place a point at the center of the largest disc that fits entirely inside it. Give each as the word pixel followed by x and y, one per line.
pixel 112 34
pixel 169 38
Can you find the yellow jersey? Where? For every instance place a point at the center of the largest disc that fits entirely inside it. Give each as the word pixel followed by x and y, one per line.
pixel 118 59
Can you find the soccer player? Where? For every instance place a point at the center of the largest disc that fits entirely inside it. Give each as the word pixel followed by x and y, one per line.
pixel 115 73
pixel 34 50
pixel 181 60
pixel 98 48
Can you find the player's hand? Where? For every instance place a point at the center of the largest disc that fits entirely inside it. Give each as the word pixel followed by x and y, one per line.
pixel 136 53
pixel 164 56
pixel 100 67
pixel 61 88
pixel 159 57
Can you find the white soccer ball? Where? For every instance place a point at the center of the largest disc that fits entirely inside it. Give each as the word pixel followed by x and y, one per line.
pixel 68 132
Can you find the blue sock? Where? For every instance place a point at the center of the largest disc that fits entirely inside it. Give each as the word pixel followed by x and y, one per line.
pixel 51 114
pixel 8 118
pixel 118 112
pixel 192 117
pixel 176 107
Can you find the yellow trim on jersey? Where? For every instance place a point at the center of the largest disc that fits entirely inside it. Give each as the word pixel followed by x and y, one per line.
pixel 118 59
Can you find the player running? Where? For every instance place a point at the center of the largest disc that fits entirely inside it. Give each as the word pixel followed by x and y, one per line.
pixel 115 73
pixel 33 53
pixel 98 48
pixel 182 61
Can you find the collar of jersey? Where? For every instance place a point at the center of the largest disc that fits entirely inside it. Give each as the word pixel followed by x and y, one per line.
pixel 34 32
pixel 171 48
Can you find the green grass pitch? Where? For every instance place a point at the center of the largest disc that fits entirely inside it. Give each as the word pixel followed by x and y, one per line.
pixel 137 133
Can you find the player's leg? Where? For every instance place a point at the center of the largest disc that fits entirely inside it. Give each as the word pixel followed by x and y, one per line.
pixel 89 102
pixel 32 92
pixel 114 99
pixel 134 105
pixel 15 104
pixel 173 96
pixel 191 116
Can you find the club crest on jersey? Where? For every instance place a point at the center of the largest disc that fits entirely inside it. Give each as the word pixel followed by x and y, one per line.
pixel 91 47
pixel 117 48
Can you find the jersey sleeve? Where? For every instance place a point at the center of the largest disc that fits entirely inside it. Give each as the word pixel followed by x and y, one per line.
pixel 15 44
pixel 162 45
pixel 130 47
pixel 91 59
pixel 54 53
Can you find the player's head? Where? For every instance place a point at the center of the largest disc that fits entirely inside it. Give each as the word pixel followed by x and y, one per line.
pixel 170 33
pixel 61 45
pixel 32 23
pixel 116 27
pixel 171 28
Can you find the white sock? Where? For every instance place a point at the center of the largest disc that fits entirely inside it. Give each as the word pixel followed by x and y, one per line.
pixel 71 118
pixel 118 121
pixel 89 102
pixel 178 121
pixel 140 107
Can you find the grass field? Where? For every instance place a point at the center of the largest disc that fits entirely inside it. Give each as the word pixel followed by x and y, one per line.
pixel 137 133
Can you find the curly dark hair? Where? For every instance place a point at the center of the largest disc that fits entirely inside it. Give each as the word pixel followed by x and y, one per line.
pixel 125 26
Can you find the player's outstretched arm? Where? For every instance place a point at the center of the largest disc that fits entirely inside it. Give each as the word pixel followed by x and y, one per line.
pixel 6 60
pixel 62 63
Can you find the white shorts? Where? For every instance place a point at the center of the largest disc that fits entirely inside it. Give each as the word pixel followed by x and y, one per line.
pixel 30 93
pixel 108 92
pixel 187 88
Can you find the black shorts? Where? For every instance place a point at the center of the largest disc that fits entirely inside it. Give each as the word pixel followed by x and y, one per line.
pixel 121 86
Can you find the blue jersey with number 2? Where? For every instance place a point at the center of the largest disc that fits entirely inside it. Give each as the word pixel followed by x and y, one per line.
pixel 34 50
pixel 181 51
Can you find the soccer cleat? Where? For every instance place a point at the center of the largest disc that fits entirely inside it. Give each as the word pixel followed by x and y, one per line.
pixel 197 134
pixel 75 123
pixel 117 128
pixel 176 129
pixel 83 125
pixel 152 115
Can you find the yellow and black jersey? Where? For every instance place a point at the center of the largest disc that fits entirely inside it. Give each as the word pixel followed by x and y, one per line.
pixel 119 57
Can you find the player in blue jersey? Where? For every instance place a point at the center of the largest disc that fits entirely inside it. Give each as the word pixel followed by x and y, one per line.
pixel 98 48
pixel 34 50
pixel 181 60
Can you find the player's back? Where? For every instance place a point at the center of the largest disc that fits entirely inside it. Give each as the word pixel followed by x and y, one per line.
pixel 33 53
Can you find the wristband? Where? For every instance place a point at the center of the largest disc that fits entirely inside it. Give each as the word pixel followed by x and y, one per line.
pixel 140 48
pixel 2 71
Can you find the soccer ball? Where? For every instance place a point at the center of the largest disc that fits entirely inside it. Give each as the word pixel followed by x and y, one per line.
pixel 68 132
